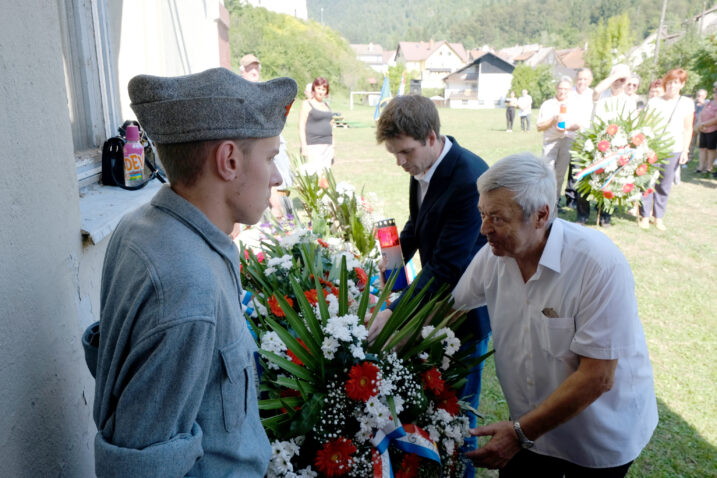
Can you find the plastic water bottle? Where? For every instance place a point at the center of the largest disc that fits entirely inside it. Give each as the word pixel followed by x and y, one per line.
pixel 387 235
pixel 133 158
pixel 563 111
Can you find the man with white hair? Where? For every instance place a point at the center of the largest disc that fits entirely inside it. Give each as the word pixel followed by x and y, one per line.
pixel 570 352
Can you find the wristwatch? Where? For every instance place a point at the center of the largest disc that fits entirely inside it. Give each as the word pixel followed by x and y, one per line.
pixel 525 443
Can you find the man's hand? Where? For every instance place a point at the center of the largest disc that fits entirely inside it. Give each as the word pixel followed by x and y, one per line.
pixel 499 450
pixel 378 323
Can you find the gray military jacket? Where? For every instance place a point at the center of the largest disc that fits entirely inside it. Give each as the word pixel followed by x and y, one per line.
pixel 175 392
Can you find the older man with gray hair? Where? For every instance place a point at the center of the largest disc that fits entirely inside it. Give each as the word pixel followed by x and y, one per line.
pixel 571 355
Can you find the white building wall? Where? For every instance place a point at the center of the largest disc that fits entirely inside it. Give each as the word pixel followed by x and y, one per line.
pixel 493 88
pixel 49 276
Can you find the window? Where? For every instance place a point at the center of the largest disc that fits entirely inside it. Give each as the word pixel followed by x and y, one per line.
pixel 92 97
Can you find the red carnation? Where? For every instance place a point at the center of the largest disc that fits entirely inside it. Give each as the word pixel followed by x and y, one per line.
pixel 276 308
pixel 260 256
pixel 648 192
pixel 323 183
pixel 433 381
pixel 288 392
pixel 362 277
pixel 628 188
pixel 322 243
pixel 611 130
pixel 334 458
pixel 363 382
pixel 409 466
pixel 622 161
pixel 608 194
pixel 312 296
pixel 293 356
pixel 599 171
pixel 603 146
pixel 651 157
pixel 638 139
pixel 641 169
pixel 448 401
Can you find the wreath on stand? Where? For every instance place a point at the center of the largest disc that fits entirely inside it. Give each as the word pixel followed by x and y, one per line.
pixel 618 159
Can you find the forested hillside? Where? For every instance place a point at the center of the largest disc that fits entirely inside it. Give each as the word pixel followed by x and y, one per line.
pixel 499 23
pixel 291 47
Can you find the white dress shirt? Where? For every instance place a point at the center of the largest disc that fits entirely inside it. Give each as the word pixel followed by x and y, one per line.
pixel 424 179
pixel 586 280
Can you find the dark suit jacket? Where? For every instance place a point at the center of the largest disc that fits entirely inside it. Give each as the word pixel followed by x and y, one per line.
pixel 446 229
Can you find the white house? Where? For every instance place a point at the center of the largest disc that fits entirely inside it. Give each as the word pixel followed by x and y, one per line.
pixel 65 67
pixel 484 83
pixel 433 60
pixel 372 54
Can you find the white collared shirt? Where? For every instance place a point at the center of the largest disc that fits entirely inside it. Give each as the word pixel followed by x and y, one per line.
pixel 587 281
pixel 424 179
pixel 584 104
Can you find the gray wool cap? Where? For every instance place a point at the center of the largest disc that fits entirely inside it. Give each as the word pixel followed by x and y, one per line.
pixel 213 104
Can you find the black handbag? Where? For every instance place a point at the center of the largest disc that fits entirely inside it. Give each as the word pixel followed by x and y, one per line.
pixel 113 159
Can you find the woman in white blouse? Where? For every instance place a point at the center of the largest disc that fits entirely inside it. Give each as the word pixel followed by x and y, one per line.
pixel 677 112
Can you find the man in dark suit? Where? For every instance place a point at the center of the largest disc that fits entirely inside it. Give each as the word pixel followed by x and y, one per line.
pixel 444 222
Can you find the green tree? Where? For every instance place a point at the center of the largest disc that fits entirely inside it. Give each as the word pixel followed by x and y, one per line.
pixel 608 44
pixel 538 81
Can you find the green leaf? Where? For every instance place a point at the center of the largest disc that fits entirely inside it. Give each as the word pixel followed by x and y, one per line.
pixel 310 361
pixel 277 403
pixel 343 289
pixel 292 368
pixel 308 416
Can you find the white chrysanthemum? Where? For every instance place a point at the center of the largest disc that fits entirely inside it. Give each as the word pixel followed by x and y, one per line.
pixel 449 445
pixel 452 345
pixel 271 342
pixel 611 167
pixel 333 304
pixel 589 146
pixel 426 331
pixel 433 433
pixel 378 412
pixel 398 402
pixel 259 307
pixel 423 356
pixel 357 351
pixel 345 188
pixel 339 328
pixel 359 332
pixel 445 363
pixel 269 270
pixel 619 140
pixel 329 347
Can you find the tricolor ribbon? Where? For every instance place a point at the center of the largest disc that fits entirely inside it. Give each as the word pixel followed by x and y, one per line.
pixel 408 438
pixel 604 163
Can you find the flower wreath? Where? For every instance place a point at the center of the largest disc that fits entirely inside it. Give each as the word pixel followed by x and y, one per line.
pixel 617 160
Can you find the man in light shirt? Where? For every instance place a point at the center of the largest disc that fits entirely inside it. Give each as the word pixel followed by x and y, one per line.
pixel 443 223
pixel 571 355
pixel 582 97
pixel 557 120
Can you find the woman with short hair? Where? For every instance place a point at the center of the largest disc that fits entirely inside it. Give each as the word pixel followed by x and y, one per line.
pixel 677 113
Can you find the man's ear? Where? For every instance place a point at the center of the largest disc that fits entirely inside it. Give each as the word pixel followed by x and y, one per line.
pixel 542 216
pixel 226 158
pixel 432 137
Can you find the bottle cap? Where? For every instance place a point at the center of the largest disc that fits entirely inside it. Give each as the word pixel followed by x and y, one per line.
pixel 132 133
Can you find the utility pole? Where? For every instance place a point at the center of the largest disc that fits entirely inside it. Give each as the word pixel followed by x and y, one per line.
pixel 659 31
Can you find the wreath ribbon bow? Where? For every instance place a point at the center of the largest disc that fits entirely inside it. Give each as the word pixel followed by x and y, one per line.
pixel 408 438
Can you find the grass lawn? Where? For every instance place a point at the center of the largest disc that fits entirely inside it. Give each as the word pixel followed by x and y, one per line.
pixel 675 274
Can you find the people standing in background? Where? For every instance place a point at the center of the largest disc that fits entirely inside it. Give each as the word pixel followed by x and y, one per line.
pixel 677 112
pixel 707 126
pixel 250 70
pixel 558 123
pixel 582 98
pixel 525 104
pixel 315 127
pixel 510 103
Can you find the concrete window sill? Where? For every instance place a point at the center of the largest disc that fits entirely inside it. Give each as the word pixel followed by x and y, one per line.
pixel 102 207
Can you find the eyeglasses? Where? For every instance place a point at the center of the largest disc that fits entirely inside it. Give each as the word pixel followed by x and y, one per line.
pixel 634 85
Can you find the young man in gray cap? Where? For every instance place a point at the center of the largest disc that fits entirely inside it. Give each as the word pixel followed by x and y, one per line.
pixel 175 392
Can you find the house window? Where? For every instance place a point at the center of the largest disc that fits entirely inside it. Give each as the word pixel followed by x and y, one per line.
pixel 92 97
